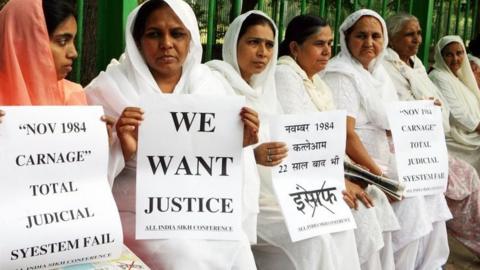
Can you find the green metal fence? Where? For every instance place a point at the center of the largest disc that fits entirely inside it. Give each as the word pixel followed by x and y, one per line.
pixel 437 17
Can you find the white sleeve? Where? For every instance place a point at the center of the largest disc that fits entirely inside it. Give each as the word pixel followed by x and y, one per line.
pixel 344 93
pixel 291 92
pixel 457 109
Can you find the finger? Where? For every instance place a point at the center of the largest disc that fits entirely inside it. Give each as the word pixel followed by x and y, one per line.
pixel 133 109
pixel 128 121
pixel 274 163
pixel 250 125
pixel 364 200
pixel 278 157
pixel 352 204
pixel 250 116
pixel 125 129
pixel 135 115
pixel 349 202
pixel 278 151
pixel 249 111
pixel 275 145
pixel 2 113
pixel 108 119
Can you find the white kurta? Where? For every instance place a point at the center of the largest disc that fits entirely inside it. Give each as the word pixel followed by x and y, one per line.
pixel 295 98
pixel 275 249
pixel 120 86
pixel 399 72
pixel 463 97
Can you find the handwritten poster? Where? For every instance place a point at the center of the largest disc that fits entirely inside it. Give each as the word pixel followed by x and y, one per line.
pixel 309 182
pixel 420 149
pixel 56 204
pixel 189 177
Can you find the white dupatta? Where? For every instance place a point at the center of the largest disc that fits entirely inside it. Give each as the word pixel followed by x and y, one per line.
pixel 421 87
pixel 464 88
pixel 373 85
pixel 260 91
pixel 317 90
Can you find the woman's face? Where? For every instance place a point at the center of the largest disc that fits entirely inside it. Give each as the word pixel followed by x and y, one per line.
pixel 453 54
pixel 63 47
pixel 476 71
pixel 365 41
pixel 254 50
pixel 165 43
pixel 407 41
pixel 313 54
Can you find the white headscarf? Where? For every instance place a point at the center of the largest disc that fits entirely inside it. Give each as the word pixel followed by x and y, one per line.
pixel 474 59
pixel 125 80
pixel 460 86
pixel 374 85
pixel 464 74
pixel 260 93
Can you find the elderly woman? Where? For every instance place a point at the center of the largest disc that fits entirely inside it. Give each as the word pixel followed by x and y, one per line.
pixel 304 53
pixel 163 54
pixel 35 61
pixel 412 83
pixel 462 194
pixel 454 78
pixel 362 87
pixel 249 54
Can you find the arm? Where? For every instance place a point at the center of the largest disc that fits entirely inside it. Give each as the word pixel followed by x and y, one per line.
pixel 356 150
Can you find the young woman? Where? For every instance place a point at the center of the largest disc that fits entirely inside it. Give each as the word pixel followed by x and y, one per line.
pixel 248 66
pixel 162 55
pixel 37 51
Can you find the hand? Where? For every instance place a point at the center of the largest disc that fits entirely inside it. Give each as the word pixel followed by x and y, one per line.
pixel 436 102
pixel 109 121
pixel 270 154
pixel 127 130
pixel 355 192
pixel 250 126
pixel 2 113
pixel 351 201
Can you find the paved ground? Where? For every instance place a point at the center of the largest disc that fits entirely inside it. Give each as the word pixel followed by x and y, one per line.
pixel 461 258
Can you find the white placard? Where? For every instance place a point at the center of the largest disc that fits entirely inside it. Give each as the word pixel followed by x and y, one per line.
pixel 420 149
pixel 189 177
pixel 309 182
pixel 56 204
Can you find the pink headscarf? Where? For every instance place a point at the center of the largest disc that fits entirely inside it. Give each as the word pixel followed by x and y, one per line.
pixel 27 69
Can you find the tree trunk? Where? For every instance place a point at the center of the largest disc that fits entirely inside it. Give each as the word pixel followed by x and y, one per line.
pixel 89 60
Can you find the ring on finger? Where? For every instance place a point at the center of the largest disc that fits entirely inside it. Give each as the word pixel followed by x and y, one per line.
pixel 269 158
pixel 269 151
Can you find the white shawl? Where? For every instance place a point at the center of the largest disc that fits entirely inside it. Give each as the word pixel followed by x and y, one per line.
pixel 260 93
pixel 373 85
pixel 465 90
pixel 420 85
pixel 125 80
pixel 318 91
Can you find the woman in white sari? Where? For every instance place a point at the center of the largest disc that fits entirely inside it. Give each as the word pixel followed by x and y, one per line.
pixel 412 83
pixel 304 53
pixel 453 76
pixel 162 55
pixel 249 54
pixel 455 80
pixel 362 87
